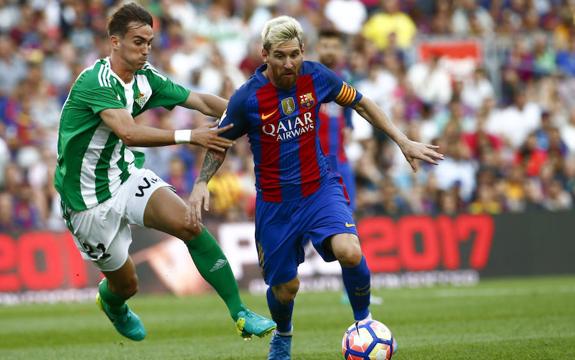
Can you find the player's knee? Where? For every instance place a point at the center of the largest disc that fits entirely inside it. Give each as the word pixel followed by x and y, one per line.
pixel 187 230
pixel 349 255
pixel 286 292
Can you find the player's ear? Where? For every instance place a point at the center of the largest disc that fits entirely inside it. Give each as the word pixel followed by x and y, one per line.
pixel 115 41
pixel 265 55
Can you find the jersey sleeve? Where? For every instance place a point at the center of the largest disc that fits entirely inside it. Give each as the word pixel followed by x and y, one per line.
pixel 347 114
pixel 337 89
pixel 165 92
pixel 235 114
pixel 98 99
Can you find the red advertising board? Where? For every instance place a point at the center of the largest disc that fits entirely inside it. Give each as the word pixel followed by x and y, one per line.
pixel 408 251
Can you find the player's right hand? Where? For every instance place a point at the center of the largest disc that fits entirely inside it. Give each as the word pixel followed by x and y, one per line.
pixel 209 137
pixel 200 196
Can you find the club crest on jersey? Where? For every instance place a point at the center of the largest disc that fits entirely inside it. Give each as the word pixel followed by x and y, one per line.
pixel 141 99
pixel 306 100
pixel 288 105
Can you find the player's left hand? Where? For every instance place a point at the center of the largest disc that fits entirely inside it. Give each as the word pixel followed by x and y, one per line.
pixel 209 137
pixel 200 196
pixel 413 151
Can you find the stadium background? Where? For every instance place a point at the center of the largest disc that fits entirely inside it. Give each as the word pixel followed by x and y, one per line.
pixel 490 81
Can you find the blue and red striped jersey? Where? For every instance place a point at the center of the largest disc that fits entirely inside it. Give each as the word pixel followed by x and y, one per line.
pixel 334 119
pixel 282 126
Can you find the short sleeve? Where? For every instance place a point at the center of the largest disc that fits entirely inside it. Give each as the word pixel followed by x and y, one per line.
pixel 165 93
pixel 347 114
pixel 235 114
pixel 99 99
pixel 337 89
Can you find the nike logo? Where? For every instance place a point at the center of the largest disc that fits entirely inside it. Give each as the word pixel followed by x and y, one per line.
pixel 348 225
pixel 266 116
pixel 220 263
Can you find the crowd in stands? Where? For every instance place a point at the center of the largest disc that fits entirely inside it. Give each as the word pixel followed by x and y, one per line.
pixel 506 121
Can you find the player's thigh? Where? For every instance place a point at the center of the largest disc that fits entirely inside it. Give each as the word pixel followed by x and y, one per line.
pixel 167 212
pixel 278 242
pixel 151 202
pixel 329 216
pixel 138 191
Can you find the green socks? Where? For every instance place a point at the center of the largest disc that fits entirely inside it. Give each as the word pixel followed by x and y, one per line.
pixel 115 303
pixel 215 269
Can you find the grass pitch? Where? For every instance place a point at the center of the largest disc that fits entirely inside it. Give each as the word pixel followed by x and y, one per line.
pixel 498 319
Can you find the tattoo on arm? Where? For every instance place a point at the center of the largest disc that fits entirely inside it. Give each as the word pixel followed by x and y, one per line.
pixel 212 163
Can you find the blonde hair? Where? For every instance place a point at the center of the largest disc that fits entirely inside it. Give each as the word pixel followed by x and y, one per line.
pixel 281 29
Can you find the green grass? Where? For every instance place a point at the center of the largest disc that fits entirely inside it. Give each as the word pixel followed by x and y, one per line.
pixel 498 319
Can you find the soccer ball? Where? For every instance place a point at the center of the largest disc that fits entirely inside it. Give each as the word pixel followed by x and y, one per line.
pixel 368 340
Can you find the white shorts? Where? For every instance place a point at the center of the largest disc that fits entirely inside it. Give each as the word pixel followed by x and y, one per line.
pixel 102 233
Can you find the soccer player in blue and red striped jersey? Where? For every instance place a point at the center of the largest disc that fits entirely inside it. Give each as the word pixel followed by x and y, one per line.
pixel 335 121
pixel 299 198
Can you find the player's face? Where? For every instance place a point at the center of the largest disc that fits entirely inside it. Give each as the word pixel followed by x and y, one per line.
pixel 330 51
pixel 284 63
pixel 135 46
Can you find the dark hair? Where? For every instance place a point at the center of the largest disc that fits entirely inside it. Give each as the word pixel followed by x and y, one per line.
pixel 330 33
pixel 129 13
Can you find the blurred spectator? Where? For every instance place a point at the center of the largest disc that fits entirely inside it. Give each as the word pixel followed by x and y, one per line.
pixel 226 196
pixel 530 156
pixel 4 159
pixel 557 198
pixel 441 22
pixel 215 72
pixel 7 223
pixel 565 30
pixel 12 66
pixel 544 56
pixel 430 81
pixel 513 189
pixel 347 16
pixel 481 140
pixel 390 22
pixel 566 59
pixel 471 19
pixel 223 29
pixel 568 132
pixel 477 89
pixel 515 122
pixel 448 202
pixel 456 171
pixel 177 177
pixel 486 201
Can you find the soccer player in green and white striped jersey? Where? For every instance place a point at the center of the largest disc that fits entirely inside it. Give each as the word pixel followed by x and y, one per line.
pixel 104 187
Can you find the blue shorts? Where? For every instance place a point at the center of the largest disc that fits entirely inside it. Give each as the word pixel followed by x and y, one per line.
pixel 283 229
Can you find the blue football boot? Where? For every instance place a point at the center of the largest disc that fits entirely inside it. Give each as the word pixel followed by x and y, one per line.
pixel 280 347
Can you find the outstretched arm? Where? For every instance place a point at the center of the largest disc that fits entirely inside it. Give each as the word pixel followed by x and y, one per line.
pixel 207 104
pixel 132 134
pixel 200 194
pixel 412 150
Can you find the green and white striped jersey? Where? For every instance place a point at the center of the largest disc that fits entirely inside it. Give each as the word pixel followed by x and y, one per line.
pixel 92 161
